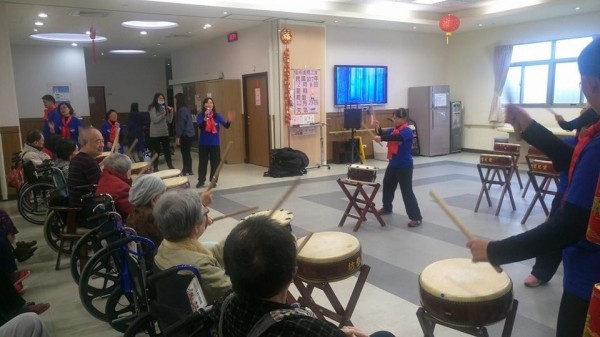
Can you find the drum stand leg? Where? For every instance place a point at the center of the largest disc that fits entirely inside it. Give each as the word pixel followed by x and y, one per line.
pixel 341 315
pixel 355 199
pixel 428 322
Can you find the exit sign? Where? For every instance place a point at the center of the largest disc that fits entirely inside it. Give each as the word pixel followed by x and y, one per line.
pixel 232 37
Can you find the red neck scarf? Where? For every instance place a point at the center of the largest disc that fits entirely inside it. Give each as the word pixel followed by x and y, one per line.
pixel 113 132
pixel 392 146
pixel 582 142
pixel 211 126
pixel 66 133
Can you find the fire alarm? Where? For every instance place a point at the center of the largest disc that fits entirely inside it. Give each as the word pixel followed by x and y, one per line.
pixel 232 37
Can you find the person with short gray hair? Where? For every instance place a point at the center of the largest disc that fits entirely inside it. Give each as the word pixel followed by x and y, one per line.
pixel 115 180
pixel 182 219
pixel 143 195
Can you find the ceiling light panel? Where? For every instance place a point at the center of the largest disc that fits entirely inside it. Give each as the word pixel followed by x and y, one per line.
pixel 149 24
pixel 64 37
pixel 127 51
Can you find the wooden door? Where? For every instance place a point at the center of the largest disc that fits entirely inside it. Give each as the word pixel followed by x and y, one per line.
pixel 256 106
pixel 97 102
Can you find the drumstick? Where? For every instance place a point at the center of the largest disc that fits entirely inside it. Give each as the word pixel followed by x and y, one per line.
pixel 116 141
pixel 306 238
pixel 370 132
pixel 213 181
pixel 154 157
pixel 285 196
pixel 130 148
pixel 516 126
pixel 450 213
pixel 552 111
pixel 240 211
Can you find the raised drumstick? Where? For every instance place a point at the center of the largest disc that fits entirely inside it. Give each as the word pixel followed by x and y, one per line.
pixel 370 132
pixel 240 211
pixel 304 243
pixel 284 197
pixel 450 213
pixel 552 111
pixel 213 181
pixel 131 147
pixel 115 145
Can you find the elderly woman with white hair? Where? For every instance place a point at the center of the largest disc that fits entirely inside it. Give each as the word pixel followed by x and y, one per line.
pixel 143 195
pixel 115 180
pixel 182 219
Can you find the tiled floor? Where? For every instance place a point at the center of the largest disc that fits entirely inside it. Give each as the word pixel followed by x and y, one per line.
pixel 396 253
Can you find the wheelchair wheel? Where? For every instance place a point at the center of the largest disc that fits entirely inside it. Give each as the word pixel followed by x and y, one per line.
pixel 52 229
pixel 33 202
pixel 144 325
pixel 121 309
pixel 99 278
pixel 82 252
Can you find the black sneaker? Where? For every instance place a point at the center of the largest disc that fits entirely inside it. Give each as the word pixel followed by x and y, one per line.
pixel 199 184
pixel 383 211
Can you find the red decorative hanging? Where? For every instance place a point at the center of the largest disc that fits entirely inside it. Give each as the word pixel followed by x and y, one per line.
pixel 449 23
pixel 286 38
pixel 93 37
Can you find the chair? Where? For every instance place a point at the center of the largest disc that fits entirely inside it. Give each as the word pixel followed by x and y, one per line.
pixel 498 171
pixel 513 150
pixel 541 169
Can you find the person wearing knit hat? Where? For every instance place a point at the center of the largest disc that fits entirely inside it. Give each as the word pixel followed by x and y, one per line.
pixel 143 195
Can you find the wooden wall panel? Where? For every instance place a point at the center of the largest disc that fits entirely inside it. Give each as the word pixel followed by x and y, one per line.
pixel 337 133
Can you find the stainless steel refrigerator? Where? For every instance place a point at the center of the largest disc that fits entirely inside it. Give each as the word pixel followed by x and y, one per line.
pixel 429 108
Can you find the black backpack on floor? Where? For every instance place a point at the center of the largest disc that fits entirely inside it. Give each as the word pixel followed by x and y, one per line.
pixel 287 162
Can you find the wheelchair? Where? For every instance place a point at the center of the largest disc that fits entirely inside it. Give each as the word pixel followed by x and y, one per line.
pixel 113 283
pixel 35 192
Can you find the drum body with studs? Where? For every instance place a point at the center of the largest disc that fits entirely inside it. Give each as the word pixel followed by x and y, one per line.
pixel 283 217
pixel 464 293
pixel 362 173
pixel 328 257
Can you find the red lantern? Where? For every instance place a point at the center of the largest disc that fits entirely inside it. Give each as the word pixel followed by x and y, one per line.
pixel 449 23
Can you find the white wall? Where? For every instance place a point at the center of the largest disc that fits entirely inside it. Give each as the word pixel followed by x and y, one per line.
pixel 471 76
pixel 126 80
pixel 8 94
pixel 36 68
pixel 413 59
pixel 249 54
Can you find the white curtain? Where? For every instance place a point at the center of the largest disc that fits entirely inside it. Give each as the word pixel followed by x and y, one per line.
pixel 502 56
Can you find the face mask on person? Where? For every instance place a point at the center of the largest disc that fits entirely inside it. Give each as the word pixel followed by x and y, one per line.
pixel 161 101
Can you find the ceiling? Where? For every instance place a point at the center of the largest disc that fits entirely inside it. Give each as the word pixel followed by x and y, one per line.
pixel 77 16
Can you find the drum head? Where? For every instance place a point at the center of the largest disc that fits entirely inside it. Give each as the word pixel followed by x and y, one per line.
pixel 363 167
pixel 167 173
pixel 281 215
pixel 175 182
pixel 326 247
pixel 139 165
pixel 461 280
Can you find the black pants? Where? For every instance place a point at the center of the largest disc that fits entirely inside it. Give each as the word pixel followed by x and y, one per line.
pixel 546 265
pixel 206 153
pixel 185 143
pixel 571 315
pixel 155 146
pixel 402 177
pixel 11 303
pixel 7 257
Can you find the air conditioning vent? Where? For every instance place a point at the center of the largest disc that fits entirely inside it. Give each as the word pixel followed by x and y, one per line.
pixel 90 13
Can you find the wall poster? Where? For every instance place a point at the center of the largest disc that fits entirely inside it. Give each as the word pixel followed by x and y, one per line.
pixel 307 91
pixel 61 92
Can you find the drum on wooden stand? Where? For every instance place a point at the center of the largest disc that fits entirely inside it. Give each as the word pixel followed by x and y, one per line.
pixel 466 296
pixel 167 173
pixel 141 167
pixel 177 182
pixel 362 173
pixel 283 217
pixel 328 257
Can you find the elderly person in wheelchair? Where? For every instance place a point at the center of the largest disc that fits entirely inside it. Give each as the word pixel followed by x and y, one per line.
pixel 143 195
pixel 182 219
pixel 115 180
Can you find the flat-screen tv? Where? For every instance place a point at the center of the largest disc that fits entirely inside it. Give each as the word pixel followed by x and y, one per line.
pixel 360 84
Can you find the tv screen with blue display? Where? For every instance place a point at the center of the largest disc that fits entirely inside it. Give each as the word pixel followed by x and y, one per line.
pixel 360 85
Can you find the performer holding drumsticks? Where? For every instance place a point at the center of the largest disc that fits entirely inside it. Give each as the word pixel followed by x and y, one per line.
pixel 566 229
pixel 400 167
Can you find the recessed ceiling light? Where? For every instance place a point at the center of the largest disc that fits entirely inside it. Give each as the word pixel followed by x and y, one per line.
pixel 225 13
pixel 158 44
pixel 74 44
pixel 577 8
pixel 427 2
pixel 43 15
pixel 38 23
pixel 480 25
pixel 127 51
pixel 149 24
pixel 414 27
pixel 207 26
pixel 336 21
pixel 65 37
pixel 143 32
pixel 35 29
pixel 102 54
pixel 88 32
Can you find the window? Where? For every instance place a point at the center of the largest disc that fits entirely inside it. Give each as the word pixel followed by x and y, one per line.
pixel 545 73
